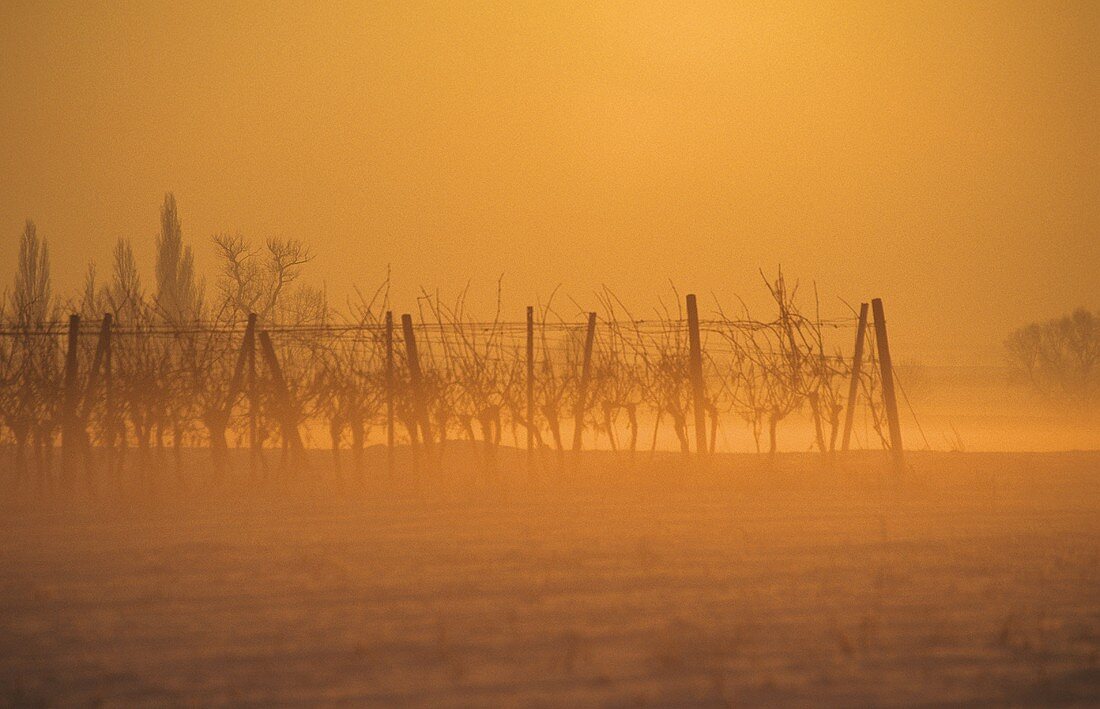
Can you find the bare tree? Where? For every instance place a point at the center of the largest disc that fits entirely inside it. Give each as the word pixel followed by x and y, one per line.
pixel 255 280
pixel 1060 358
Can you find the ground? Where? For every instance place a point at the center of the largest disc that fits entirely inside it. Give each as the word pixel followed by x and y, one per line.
pixel 973 579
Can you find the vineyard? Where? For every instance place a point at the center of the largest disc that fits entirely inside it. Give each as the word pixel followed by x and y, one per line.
pixel 118 387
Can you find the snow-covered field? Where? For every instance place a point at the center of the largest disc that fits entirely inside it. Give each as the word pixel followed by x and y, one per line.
pixel 976 580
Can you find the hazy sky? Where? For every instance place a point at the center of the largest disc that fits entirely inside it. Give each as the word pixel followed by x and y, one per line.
pixel 941 156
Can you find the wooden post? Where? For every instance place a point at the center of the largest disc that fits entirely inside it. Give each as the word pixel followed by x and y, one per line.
pixel 886 370
pixel 582 388
pixel 71 437
pixel 219 448
pixel 390 433
pixel 247 343
pixel 286 403
pixel 530 387
pixel 698 393
pixel 101 348
pixel 853 386
pixel 254 452
pixel 417 380
pixel 109 424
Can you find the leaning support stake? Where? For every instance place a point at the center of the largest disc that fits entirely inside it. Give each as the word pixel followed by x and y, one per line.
pixel 582 388
pixel 103 345
pixel 71 434
pixel 698 392
pixel 282 394
pixel 888 395
pixel 100 363
pixel 853 386
pixel 417 381
pixel 248 342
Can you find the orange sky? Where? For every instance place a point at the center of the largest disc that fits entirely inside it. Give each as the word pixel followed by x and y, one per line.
pixel 942 156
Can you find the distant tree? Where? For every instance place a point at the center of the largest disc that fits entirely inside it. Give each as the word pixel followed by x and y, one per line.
pixel 31 298
pixel 139 362
pixel 1060 358
pixel 124 294
pixel 260 281
pixel 179 296
pixel 31 401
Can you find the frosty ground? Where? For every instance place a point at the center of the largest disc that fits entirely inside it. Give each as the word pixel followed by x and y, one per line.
pixel 975 578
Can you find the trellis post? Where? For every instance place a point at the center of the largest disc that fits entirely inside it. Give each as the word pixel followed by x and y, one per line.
pixel 417 380
pixel 219 448
pixel 102 350
pixel 70 422
pixel 698 392
pixel 886 370
pixel 389 394
pixel 94 373
pixel 853 386
pixel 282 394
pixel 247 343
pixel 530 387
pixel 582 387
pixel 109 399
pixel 254 451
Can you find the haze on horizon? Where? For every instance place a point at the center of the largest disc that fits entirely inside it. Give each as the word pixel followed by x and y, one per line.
pixel 939 155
